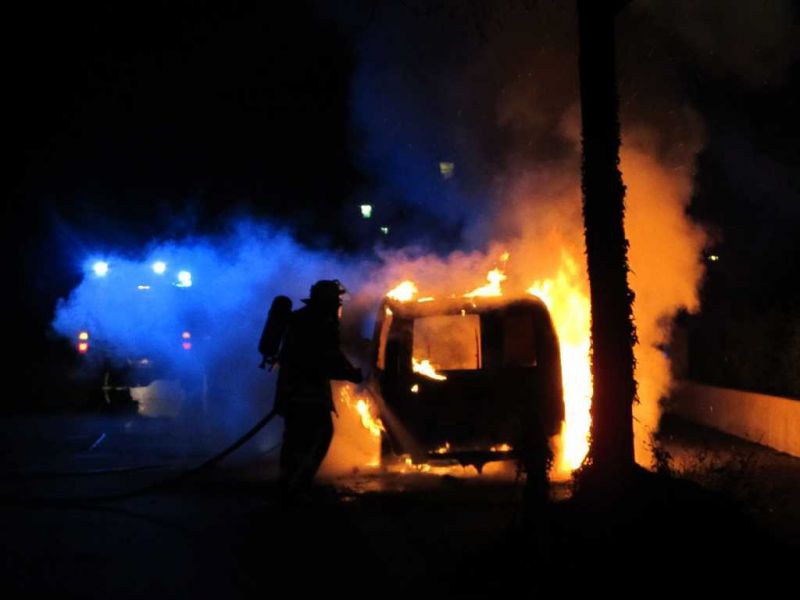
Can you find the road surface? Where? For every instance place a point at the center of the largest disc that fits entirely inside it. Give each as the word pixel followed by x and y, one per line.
pixel 374 533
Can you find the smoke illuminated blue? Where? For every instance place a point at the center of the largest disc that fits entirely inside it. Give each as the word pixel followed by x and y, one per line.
pixel 236 276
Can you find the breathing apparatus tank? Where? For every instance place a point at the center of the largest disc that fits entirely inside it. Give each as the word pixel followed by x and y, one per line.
pixel 274 329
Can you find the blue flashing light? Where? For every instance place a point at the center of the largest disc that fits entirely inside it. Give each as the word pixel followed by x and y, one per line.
pixel 184 279
pixel 159 267
pixel 100 268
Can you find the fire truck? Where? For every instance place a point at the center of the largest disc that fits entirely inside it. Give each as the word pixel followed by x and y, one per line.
pixel 140 346
pixel 463 380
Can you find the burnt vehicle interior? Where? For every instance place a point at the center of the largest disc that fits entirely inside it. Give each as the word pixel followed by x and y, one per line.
pixel 466 381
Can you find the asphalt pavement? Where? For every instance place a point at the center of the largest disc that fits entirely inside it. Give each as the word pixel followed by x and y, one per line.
pixel 225 533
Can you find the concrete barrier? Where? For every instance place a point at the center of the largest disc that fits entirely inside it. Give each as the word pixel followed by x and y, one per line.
pixel 768 420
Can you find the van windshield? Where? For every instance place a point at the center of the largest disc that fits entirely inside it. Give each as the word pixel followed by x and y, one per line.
pixel 448 342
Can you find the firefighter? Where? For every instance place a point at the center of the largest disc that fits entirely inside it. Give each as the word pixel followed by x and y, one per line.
pixel 310 357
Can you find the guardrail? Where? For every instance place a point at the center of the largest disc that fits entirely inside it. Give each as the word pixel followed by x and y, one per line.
pixel 768 420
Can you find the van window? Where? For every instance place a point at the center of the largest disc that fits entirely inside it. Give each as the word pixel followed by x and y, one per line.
pixel 449 342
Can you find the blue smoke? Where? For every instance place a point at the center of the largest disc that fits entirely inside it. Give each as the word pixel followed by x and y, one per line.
pixel 133 312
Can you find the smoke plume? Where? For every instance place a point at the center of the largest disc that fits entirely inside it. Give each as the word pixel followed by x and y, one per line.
pixel 465 125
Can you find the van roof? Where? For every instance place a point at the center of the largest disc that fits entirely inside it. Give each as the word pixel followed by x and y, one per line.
pixel 425 308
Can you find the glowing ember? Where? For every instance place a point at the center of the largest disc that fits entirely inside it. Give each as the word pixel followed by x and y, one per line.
pixel 569 306
pixel 501 448
pixel 403 292
pixel 409 466
pixel 443 449
pixel 491 289
pixel 424 367
pixel 442 467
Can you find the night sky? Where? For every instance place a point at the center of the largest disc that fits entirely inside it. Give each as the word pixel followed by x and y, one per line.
pixel 130 113
pixel 135 120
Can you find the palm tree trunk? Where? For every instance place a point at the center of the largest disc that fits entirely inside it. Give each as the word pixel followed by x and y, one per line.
pixel 613 332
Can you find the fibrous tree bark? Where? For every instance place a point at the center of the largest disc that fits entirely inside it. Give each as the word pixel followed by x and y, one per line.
pixel 613 332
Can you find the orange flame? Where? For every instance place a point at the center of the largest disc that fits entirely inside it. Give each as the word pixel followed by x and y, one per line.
pixel 425 368
pixel 491 289
pixel 403 292
pixel 568 302
pixel 356 441
pixel 370 423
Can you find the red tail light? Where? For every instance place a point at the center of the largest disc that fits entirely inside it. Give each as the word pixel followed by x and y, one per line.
pixel 83 342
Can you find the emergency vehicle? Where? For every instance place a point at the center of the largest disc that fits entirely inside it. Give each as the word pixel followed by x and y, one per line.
pixel 144 330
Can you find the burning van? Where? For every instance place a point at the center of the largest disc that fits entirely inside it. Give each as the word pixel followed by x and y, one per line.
pixel 466 380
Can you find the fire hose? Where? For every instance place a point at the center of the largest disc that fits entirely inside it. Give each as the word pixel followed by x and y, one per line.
pixel 12 499
pixel 16 500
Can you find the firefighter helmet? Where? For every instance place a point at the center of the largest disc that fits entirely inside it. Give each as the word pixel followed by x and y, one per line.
pixel 326 291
